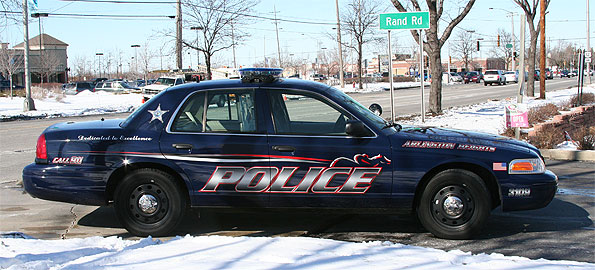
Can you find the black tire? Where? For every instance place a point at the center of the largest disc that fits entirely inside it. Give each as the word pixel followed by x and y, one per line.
pixel 164 199
pixel 485 84
pixel 469 198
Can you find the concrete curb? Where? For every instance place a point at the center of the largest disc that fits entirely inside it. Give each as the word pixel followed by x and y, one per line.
pixel 575 155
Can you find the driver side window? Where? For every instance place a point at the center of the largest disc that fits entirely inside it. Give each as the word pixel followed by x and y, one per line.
pixel 296 113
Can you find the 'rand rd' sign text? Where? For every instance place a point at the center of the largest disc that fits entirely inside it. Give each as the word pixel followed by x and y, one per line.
pixel 405 20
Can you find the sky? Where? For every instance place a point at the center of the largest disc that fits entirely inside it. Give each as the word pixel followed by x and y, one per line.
pixel 86 36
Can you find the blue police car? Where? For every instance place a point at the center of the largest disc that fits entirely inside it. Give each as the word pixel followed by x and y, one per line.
pixel 266 142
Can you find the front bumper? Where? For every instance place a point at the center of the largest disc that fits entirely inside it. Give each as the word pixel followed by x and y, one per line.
pixel 527 192
pixel 65 184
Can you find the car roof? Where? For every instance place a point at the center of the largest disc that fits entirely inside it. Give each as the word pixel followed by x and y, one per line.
pixel 237 83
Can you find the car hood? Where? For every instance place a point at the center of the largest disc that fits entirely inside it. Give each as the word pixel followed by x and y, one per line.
pixel 463 137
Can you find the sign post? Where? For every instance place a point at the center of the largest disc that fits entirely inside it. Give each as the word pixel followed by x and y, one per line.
pixel 400 21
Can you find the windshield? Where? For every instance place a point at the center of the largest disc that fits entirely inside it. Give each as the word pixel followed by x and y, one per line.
pixel 491 72
pixel 362 111
pixel 165 81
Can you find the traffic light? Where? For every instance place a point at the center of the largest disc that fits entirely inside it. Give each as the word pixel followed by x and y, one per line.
pixel 478 45
pixel 450 59
pixel 498 40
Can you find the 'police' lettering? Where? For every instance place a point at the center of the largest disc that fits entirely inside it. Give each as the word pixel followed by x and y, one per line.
pixel 271 179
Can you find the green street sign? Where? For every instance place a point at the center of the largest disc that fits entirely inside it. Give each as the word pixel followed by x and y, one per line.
pixel 508 46
pixel 405 20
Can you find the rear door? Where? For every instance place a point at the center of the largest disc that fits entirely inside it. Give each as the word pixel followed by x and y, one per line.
pixel 318 164
pixel 221 148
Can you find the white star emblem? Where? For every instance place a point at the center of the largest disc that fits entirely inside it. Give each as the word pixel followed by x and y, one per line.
pixel 157 114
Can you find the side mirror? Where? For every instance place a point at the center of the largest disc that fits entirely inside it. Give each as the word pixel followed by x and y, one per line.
pixel 357 129
pixel 376 109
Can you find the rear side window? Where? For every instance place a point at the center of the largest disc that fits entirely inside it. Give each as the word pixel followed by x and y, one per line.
pixel 229 111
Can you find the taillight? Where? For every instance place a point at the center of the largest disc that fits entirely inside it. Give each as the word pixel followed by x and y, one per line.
pixel 41 151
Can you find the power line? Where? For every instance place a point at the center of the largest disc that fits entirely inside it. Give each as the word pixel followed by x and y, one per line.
pixel 204 7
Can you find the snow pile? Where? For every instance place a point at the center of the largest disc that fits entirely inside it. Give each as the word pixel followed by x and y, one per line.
pixel 489 117
pixel 84 103
pixel 220 252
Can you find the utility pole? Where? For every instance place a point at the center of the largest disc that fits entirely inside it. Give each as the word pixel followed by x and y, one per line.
pixel 28 105
pixel 341 78
pixel 200 28
pixel 542 50
pixel 277 30
pixel 233 46
pixel 513 42
pixel 519 100
pixel 179 35
pixel 588 42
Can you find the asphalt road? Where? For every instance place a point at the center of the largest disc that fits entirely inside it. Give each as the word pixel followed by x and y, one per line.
pixel 563 230
pixel 407 101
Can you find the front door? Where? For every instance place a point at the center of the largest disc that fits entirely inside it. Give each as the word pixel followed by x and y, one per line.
pixel 319 164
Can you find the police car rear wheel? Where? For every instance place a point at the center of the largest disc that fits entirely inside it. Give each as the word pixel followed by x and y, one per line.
pixel 454 205
pixel 149 202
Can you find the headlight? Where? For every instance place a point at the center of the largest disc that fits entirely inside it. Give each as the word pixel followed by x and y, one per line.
pixel 526 166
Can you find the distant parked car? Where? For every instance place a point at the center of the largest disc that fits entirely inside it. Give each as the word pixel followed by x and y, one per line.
pixel 454 77
pixel 115 87
pixel 5 85
pixel 536 75
pixel 512 76
pixel 475 76
pixel 494 76
pixel 74 88
pixel 565 73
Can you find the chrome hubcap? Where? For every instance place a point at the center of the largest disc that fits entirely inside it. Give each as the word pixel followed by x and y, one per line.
pixel 453 206
pixel 148 204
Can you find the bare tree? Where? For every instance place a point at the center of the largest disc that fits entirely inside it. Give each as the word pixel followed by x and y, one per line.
pixel 146 56
pixel 48 65
pixel 501 52
pixel 11 6
pixel 10 62
pixel 562 55
pixel 434 43
pixel 463 47
pixel 82 68
pixel 531 11
pixel 360 19
pixel 219 21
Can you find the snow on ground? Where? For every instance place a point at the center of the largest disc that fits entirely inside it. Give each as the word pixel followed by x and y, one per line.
pixel 378 87
pixel 489 117
pixel 84 103
pixel 221 252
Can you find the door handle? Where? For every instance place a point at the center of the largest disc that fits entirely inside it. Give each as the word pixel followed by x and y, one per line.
pixel 283 148
pixel 182 146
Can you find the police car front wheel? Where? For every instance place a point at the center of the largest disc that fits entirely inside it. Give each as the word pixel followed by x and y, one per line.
pixel 149 202
pixel 454 205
